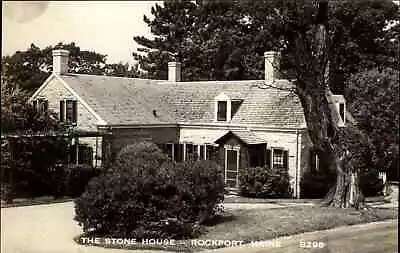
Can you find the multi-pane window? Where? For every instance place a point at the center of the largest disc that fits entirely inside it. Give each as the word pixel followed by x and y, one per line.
pixel 222 110
pixel 190 152
pixel 279 158
pixel 68 111
pixel 40 105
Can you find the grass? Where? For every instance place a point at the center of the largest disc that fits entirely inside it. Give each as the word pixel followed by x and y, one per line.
pixel 34 201
pixel 262 224
pixel 240 199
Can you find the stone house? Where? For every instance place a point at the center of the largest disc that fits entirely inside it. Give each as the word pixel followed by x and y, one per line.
pixel 241 123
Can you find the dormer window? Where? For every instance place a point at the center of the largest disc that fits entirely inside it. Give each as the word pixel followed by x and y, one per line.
pixel 226 108
pixel 222 111
pixel 235 104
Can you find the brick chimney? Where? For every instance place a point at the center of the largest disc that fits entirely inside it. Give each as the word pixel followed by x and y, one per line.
pixel 174 71
pixel 60 61
pixel 272 65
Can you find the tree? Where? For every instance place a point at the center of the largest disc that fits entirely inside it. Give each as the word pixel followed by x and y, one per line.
pixel 27 132
pixel 226 40
pixel 375 105
pixel 28 69
pixel 315 45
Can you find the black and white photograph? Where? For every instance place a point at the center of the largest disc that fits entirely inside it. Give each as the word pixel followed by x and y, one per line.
pixel 215 126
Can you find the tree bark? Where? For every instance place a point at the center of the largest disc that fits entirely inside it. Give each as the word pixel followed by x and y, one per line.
pixel 313 89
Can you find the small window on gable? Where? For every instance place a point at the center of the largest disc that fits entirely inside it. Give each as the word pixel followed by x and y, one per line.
pixel 69 111
pixel 222 111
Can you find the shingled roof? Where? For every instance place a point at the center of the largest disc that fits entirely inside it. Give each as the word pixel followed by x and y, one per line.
pixel 127 101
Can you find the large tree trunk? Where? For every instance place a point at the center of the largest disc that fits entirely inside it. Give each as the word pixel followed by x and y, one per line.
pixel 312 87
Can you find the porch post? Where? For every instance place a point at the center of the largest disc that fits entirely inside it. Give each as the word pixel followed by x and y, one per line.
pixel 173 152
pixel 184 151
pixel 77 150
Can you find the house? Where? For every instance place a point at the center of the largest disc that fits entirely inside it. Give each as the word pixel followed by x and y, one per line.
pixel 240 123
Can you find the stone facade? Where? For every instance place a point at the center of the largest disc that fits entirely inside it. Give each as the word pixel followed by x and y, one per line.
pixel 54 92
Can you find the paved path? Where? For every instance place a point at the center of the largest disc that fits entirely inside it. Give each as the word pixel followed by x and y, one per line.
pixel 44 229
pixel 377 237
pixel 50 228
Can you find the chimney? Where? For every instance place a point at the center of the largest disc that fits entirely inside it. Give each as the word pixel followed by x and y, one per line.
pixel 174 71
pixel 272 65
pixel 60 61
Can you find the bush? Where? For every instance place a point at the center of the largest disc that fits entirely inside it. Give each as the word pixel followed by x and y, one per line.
pixel 70 179
pixel 316 184
pixel 263 182
pixel 370 184
pixel 145 195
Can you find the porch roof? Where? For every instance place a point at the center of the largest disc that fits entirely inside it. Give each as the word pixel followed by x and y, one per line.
pixel 248 137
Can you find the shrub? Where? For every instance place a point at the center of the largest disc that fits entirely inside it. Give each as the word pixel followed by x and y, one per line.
pixel 263 182
pixel 70 179
pixel 145 195
pixel 316 184
pixel 370 184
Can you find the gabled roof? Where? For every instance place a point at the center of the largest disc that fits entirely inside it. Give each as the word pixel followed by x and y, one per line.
pixel 129 101
pixel 248 137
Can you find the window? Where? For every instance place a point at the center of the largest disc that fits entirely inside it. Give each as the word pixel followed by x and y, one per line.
pixel 257 155
pixel 84 155
pixel 178 152
pixel 68 111
pixel 190 153
pixel 201 152
pixel 222 110
pixel 314 161
pixel 62 110
pixel 235 104
pixel 342 112
pixel 280 158
pixel 212 152
pixel 40 105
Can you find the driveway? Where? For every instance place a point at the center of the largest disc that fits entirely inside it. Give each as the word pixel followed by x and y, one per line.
pixel 50 228
pixel 44 229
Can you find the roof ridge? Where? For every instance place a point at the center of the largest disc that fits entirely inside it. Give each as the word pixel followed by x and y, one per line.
pixel 116 77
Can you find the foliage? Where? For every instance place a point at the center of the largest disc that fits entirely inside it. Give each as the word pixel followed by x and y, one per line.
pixel 316 184
pixel 147 195
pixel 370 184
pixel 29 69
pixel 263 182
pixel 226 40
pixel 374 96
pixel 70 179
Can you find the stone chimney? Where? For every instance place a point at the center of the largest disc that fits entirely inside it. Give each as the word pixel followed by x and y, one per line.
pixel 272 65
pixel 174 71
pixel 60 61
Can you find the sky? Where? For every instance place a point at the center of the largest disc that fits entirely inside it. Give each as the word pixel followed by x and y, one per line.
pixel 107 27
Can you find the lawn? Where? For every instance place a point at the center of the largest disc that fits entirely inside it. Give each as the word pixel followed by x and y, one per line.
pixel 262 224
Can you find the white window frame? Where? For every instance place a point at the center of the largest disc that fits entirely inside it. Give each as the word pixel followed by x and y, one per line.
pixel 222 98
pixel 272 155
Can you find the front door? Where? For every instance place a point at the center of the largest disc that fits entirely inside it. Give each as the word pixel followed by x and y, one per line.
pixel 232 168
